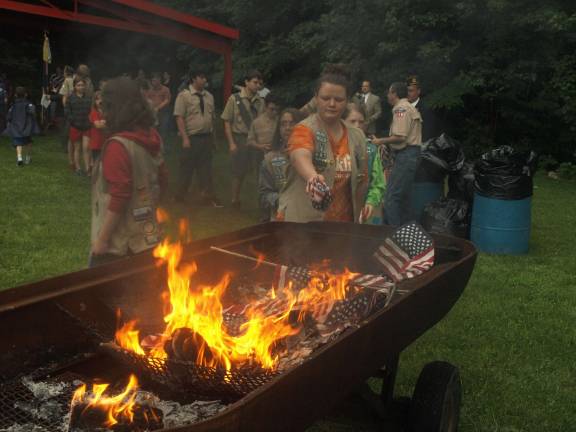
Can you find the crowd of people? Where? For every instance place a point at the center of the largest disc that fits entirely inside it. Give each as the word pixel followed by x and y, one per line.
pixel 321 162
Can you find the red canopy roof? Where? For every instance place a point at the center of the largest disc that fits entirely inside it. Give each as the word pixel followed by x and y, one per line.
pixel 140 16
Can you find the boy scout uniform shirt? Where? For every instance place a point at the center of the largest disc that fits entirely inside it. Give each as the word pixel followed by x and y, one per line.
pixel 232 114
pixel 262 130
pixel 406 123
pixel 188 107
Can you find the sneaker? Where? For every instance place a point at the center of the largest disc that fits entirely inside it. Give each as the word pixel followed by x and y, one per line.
pixel 79 173
pixel 20 163
pixel 27 160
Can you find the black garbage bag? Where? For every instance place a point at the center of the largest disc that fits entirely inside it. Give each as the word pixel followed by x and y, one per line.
pixel 447 216
pixel 428 172
pixel 504 173
pixel 461 183
pixel 444 152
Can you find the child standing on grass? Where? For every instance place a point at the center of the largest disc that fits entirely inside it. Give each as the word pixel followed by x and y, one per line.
pixel 356 117
pixel 97 131
pixel 79 106
pixel 21 125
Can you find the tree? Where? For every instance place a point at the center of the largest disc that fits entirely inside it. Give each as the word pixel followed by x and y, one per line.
pixel 498 71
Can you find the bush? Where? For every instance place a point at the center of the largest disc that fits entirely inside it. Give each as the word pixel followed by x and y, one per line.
pixel 567 171
pixel 548 163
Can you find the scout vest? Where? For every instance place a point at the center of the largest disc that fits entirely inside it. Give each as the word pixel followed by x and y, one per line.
pixel 276 163
pixel 295 204
pixel 138 228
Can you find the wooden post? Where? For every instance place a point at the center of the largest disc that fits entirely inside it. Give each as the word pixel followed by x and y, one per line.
pixel 227 73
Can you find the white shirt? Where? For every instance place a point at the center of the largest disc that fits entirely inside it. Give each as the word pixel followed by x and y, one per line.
pixel 415 102
pixel 264 92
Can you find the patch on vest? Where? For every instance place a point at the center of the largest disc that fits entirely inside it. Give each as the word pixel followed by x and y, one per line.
pixel 320 159
pixel 400 112
pixel 149 227
pixel 279 168
pixel 151 240
pixel 142 214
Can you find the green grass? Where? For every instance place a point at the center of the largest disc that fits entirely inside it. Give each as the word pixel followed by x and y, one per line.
pixel 45 210
pixel 512 333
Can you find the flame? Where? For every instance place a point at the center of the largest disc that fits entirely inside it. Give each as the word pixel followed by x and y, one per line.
pixel 199 308
pixel 161 215
pixel 128 338
pixel 260 257
pixel 117 408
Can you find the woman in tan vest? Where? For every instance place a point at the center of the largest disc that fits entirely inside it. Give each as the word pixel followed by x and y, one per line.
pixel 328 179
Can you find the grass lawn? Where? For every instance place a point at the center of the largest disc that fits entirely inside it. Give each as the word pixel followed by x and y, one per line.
pixel 512 333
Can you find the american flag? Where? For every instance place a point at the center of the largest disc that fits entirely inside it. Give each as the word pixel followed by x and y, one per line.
pixel 320 194
pixel 374 292
pixel 408 253
pixel 299 277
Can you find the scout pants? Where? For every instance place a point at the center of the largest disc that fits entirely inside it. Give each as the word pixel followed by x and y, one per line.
pixel 397 204
pixel 197 158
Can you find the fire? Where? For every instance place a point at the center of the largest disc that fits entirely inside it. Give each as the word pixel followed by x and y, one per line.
pixel 128 337
pixel 161 215
pixel 199 308
pixel 118 408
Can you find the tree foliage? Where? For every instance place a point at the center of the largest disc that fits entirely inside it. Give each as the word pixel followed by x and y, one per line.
pixel 497 71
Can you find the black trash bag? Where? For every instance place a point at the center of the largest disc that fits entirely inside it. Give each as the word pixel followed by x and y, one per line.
pixel 428 172
pixel 447 216
pixel 461 183
pixel 504 173
pixel 444 152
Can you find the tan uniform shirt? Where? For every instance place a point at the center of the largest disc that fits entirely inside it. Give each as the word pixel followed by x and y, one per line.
pixel 67 87
pixel 187 106
pixel 232 114
pixel 262 131
pixel 406 123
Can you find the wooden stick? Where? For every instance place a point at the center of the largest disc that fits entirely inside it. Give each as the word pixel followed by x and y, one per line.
pixel 246 257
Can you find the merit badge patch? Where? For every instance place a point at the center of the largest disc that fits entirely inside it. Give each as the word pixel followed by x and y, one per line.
pixel 400 112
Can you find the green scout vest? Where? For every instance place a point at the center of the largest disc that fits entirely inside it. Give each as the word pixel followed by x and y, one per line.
pixel 295 204
pixel 276 163
pixel 138 228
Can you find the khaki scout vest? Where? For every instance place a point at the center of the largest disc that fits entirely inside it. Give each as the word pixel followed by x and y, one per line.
pixel 295 204
pixel 138 228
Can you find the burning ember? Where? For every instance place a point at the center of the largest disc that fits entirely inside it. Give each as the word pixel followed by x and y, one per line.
pixel 97 409
pixel 195 329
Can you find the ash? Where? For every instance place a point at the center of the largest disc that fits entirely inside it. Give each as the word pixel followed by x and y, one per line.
pixel 45 390
pixel 24 428
pixel 50 404
pixel 180 415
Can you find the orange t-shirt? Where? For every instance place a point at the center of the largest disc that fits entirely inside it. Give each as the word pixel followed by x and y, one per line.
pixel 341 209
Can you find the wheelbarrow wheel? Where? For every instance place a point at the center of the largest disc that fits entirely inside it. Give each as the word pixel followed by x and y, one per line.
pixel 436 400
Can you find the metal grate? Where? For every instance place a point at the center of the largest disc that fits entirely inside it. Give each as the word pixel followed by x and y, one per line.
pixel 233 384
pixel 19 405
pixel 197 379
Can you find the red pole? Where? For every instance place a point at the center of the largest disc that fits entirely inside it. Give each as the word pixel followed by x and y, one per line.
pixel 227 74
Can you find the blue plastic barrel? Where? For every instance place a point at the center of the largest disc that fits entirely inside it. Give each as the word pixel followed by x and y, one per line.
pixel 501 226
pixel 423 194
